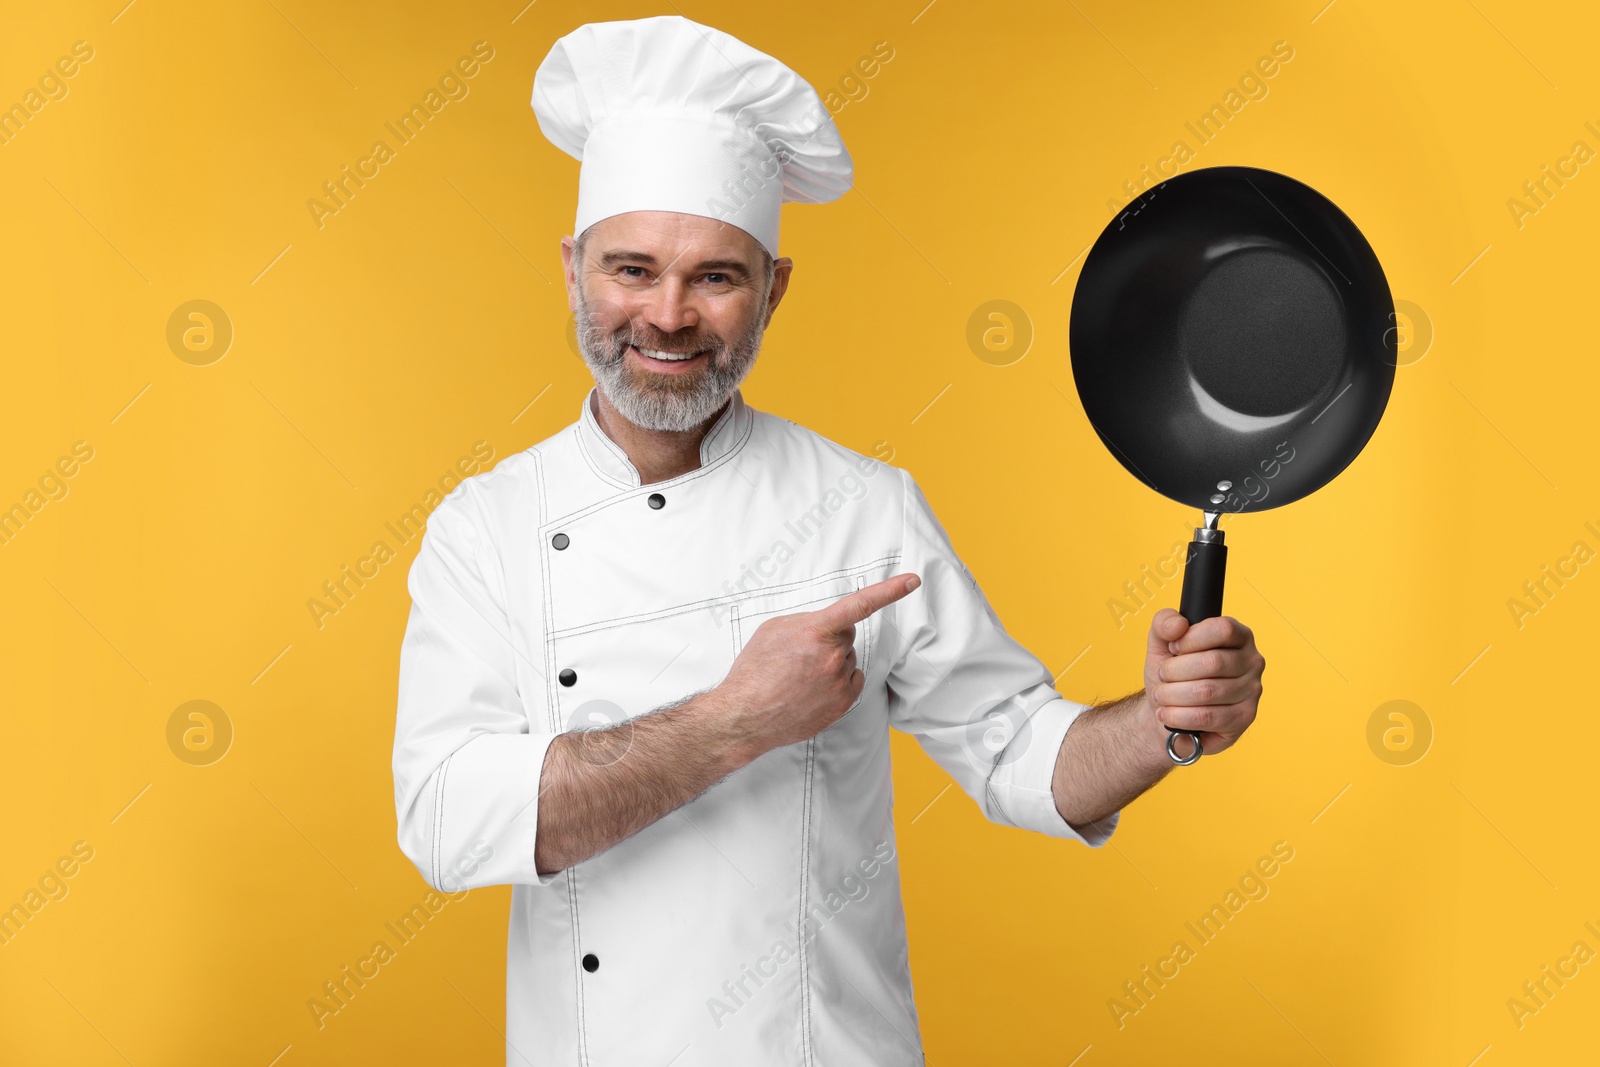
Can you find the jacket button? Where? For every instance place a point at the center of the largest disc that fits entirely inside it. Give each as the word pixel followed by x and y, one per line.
pixel 591 963
pixel 657 501
pixel 568 677
pixel 560 541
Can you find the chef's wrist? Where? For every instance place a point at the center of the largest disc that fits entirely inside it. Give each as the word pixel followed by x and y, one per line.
pixel 716 717
pixel 1153 746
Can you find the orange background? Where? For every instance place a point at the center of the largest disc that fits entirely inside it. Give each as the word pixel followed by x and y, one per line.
pixel 370 353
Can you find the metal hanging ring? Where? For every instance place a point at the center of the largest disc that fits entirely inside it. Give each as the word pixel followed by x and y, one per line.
pixel 1172 753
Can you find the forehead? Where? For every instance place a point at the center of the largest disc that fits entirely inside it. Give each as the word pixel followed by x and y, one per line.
pixel 670 235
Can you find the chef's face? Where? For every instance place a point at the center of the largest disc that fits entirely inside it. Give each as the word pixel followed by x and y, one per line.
pixel 648 285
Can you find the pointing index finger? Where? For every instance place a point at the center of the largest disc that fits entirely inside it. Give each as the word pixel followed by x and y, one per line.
pixel 857 606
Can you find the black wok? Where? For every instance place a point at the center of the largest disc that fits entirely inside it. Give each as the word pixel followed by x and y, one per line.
pixel 1233 344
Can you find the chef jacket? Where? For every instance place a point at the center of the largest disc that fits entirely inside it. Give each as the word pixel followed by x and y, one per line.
pixel 761 923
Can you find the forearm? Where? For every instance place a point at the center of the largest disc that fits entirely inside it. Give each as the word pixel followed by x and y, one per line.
pixel 600 786
pixel 1112 753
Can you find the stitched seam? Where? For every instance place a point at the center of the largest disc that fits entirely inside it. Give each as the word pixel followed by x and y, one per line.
pixel 604 444
pixel 438 837
pixel 551 718
pixel 632 491
pixel 994 798
pixel 905 505
pixel 866 648
pixel 671 483
pixel 438 833
pixel 600 473
pixel 496 550
pixel 680 609
pixel 722 426
pixel 541 495
pixel 988 781
pixel 470 502
pixel 577 965
pixel 738 598
pixel 551 698
pixel 805 867
pixel 867 635
pixel 588 422
pixel 438 814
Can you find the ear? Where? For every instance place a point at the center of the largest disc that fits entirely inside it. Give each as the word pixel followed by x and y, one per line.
pixel 781 269
pixel 569 271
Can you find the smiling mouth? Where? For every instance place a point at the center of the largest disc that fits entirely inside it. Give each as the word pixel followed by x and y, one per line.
pixel 666 357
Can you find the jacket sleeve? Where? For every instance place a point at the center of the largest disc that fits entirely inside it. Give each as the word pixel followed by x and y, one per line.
pixel 978 702
pixel 466 763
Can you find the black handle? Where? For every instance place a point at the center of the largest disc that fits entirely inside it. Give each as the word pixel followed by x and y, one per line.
pixel 1204 573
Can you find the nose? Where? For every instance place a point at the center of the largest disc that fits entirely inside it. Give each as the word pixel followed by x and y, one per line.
pixel 669 308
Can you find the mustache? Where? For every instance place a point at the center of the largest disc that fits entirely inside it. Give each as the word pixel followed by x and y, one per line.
pixel 643 335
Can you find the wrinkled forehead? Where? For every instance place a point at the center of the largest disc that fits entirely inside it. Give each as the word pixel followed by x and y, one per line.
pixel 672 237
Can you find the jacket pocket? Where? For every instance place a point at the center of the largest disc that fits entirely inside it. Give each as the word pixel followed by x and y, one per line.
pixel 811 595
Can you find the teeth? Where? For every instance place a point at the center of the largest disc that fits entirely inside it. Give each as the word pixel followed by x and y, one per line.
pixel 667 357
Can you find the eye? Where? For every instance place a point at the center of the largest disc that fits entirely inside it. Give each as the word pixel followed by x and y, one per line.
pixel 626 274
pixel 717 279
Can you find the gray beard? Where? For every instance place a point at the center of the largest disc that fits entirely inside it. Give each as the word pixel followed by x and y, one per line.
pixel 665 402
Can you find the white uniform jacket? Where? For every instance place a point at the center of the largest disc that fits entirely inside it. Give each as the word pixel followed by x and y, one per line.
pixel 760 924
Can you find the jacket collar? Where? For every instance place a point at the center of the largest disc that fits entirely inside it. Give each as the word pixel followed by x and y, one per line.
pixel 729 432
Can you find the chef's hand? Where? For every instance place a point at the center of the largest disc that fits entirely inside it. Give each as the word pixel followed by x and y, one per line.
pixel 1205 677
pixel 797 674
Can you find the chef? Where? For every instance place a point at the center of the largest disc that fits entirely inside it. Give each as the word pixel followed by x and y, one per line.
pixel 651 661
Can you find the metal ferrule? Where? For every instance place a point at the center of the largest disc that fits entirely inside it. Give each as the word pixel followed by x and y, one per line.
pixel 1209 533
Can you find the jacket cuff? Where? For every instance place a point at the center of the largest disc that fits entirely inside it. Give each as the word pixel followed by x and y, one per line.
pixel 1029 801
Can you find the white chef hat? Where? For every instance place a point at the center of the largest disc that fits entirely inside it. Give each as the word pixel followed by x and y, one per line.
pixel 668 115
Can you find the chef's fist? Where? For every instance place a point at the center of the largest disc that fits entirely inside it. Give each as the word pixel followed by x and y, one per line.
pixel 1204 678
pixel 797 675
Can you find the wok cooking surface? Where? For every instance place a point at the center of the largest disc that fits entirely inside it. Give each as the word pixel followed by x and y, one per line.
pixel 1232 339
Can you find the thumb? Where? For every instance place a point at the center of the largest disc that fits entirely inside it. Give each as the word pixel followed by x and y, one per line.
pixel 1167 626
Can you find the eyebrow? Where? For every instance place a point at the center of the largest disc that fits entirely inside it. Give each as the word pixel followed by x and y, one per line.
pixel 624 257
